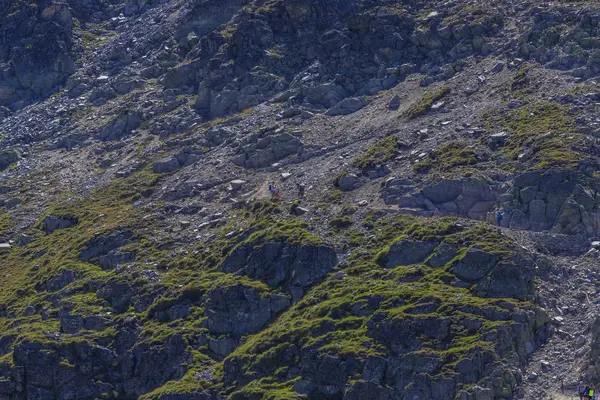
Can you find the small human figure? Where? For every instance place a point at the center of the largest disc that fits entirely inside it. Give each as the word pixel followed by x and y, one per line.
pixel 499 217
pixel 581 389
pixel 274 192
pixel 300 187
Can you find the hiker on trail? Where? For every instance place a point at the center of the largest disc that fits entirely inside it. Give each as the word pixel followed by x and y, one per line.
pixel 499 218
pixel 592 392
pixel 274 192
pixel 585 392
pixel 300 187
pixel 581 390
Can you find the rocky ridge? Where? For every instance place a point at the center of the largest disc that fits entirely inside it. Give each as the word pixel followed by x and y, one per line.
pixel 143 259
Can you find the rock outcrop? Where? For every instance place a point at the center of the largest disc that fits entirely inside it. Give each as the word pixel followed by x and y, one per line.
pixel 281 263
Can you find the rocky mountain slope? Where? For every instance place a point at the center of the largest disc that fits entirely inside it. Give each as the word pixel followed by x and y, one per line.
pixel 142 256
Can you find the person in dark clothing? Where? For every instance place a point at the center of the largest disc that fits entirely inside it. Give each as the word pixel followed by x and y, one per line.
pixel 499 218
pixel 300 187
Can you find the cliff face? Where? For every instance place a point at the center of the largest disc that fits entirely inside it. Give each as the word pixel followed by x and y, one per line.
pixel 143 257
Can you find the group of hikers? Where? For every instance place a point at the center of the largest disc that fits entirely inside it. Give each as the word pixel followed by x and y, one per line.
pixel 276 196
pixel 587 392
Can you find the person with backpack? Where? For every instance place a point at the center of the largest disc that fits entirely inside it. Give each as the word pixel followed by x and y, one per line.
pixel 581 389
pixel 586 390
pixel 592 392
pixel 274 192
pixel 499 217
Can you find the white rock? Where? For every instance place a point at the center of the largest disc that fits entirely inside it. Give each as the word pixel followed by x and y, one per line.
pixel 237 184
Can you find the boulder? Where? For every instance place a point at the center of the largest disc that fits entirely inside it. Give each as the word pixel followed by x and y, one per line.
pixel 394 103
pixel 326 95
pixel 348 182
pixel 407 252
pixel 347 106
pixel 519 220
pixel 475 264
pixel 481 209
pixel 268 150
pixel 443 191
pixel 25 239
pixel 528 194
pixel 568 218
pixel 237 184
pixel 497 140
pixel 52 223
pixel 584 198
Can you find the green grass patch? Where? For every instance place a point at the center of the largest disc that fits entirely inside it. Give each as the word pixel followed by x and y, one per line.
pixel 426 101
pixel 381 151
pixel 543 131
pixel 447 158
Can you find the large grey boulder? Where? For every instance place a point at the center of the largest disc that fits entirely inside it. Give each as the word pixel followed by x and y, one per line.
pixel 481 209
pixel 528 194
pixel 268 150
pixel 475 264
pixel 584 198
pixel 568 218
pixel 347 106
pixel 240 310
pixel 280 262
pixel 519 220
pixel 327 94
pixel 407 252
pixel 52 223
pixel 348 182
pixel 443 191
